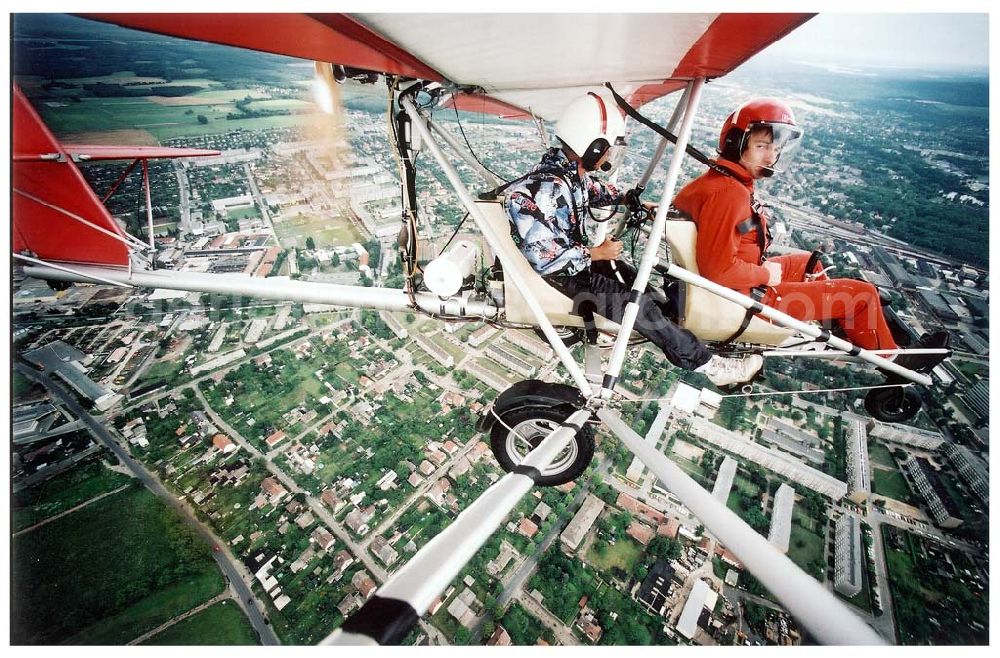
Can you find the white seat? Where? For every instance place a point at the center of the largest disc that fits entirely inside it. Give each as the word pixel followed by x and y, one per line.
pixel 558 307
pixel 705 314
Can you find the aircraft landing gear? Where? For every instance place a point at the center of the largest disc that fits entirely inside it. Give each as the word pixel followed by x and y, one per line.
pixel 526 413
pixel 893 405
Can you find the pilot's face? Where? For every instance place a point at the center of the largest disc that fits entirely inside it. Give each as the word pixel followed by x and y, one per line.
pixel 760 152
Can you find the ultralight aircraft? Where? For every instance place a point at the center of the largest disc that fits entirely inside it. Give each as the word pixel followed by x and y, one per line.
pixel 514 66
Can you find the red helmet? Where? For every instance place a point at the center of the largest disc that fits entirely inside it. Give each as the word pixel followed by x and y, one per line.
pixel 769 113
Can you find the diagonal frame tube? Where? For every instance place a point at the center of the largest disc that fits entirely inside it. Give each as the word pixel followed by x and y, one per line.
pixel 826 618
pixel 661 148
pixel 128 240
pixel 579 378
pixel 783 319
pixel 434 566
pixel 649 256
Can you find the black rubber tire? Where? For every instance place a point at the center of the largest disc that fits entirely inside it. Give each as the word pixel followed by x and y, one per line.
pixel 893 405
pixel 570 335
pixel 535 423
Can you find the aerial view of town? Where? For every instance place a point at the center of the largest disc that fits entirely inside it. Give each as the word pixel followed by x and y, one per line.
pixel 193 468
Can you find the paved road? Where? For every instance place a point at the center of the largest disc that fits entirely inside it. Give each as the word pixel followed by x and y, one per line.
pixel 885 623
pixel 925 530
pixel 261 204
pixel 231 568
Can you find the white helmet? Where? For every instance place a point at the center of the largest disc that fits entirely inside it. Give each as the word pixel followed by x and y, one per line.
pixel 591 127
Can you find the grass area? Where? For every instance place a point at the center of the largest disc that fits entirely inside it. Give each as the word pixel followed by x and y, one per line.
pixel 920 593
pixel 153 610
pixel 958 495
pixel 326 231
pixel 691 469
pixel 892 484
pixel 805 548
pixel 971 369
pixel 493 366
pixel 163 121
pixel 62 492
pixel 524 629
pixel 880 454
pixel 243 213
pixel 108 573
pixel 748 488
pixel 165 371
pixel 801 516
pixel 222 624
pixel 454 350
pixel 22 387
pixel 623 555
pixel 347 372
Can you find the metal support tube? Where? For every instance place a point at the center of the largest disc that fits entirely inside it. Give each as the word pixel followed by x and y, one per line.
pixel 785 320
pixel 126 239
pixel 149 201
pixel 509 270
pixel 816 608
pixel 661 148
pixel 462 152
pixel 74 273
pixel 383 299
pixel 847 356
pixel 429 572
pixel 121 179
pixel 649 256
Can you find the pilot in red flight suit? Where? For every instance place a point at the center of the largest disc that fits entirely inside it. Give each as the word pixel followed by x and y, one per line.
pixel 756 141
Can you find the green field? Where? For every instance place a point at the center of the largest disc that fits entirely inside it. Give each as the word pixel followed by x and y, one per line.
pixel 222 624
pixel 169 372
pixel 494 367
pixel 62 492
pixel 108 573
pixel 152 611
pixel 893 485
pixel 920 593
pixel 92 115
pixel 879 454
pixel 805 548
pixel 523 627
pixel 243 213
pixel 624 554
pixel 325 231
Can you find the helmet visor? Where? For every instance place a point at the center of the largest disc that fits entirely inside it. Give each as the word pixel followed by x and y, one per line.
pixel 784 140
pixel 613 157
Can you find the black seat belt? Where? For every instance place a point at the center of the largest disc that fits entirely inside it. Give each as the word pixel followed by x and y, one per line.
pixel 758 292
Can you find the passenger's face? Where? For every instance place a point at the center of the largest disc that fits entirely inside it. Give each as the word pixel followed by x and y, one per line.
pixel 760 152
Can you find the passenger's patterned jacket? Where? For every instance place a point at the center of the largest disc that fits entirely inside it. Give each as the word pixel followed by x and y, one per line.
pixel 547 209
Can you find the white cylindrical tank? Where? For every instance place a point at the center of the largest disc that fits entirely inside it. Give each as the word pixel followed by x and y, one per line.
pixel 444 275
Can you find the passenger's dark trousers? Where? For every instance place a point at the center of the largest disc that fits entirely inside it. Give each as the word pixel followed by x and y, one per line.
pixel 601 287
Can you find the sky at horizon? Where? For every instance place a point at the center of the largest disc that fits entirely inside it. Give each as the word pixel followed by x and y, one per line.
pixel 912 40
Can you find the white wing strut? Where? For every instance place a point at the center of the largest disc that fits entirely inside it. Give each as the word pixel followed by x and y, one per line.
pixel 387 617
pixel 817 609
